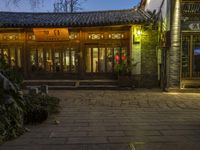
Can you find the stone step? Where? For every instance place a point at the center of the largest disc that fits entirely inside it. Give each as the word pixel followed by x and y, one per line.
pixel 73 84
pixel 83 87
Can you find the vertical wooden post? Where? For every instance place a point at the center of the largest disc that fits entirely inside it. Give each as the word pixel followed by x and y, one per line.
pixel 81 55
pixel 25 56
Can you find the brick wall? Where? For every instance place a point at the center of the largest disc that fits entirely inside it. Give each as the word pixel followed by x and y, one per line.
pixel 149 65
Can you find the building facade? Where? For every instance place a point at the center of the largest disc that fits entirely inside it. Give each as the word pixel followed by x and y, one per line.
pixel 86 45
pixel 178 27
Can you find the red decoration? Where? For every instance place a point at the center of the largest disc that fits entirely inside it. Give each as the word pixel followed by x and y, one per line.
pixel 117 58
pixel 123 57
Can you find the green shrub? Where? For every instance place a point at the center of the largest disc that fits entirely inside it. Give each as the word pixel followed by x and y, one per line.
pixel 11 115
pixel 16 110
pixel 38 107
pixel 13 74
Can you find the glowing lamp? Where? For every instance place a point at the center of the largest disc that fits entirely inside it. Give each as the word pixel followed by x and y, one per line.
pixel 139 32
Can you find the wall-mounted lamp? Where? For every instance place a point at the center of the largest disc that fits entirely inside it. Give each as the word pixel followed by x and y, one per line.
pixel 139 32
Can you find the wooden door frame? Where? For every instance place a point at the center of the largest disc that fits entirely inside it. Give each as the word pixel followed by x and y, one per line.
pixel 106 46
pixel 190 52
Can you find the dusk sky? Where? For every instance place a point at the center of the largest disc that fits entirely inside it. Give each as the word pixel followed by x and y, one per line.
pixel 89 5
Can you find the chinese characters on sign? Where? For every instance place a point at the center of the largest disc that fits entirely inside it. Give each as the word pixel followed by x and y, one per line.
pixel 51 34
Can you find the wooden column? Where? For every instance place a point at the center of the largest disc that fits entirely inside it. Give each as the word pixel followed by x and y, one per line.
pixel 175 49
pixel 81 55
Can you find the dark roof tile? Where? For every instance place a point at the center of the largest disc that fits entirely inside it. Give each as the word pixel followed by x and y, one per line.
pixel 78 19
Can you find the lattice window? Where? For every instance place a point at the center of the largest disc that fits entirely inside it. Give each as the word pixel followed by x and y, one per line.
pixel 31 37
pixel 73 36
pixel 116 36
pixel 10 37
pixel 94 36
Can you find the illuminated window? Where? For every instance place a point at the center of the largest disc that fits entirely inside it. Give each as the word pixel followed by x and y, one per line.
pixel 12 57
pixel 31 37
pixel 70 60
pixel 116 36
pixel 102 60
pixel 33 59
pixel 40 58
pixel 109 58
pixel 97 36
pixel 49 61
pixel 73 36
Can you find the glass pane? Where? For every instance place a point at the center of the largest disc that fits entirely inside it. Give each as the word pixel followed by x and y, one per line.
pixel 66 60
pixel 49 62
pixel 196 56
pixel 102 60
pixel 12 57
pixel 1 51
pixel 33 59
pixel 185 56
pixel 19 64
pixel 73 61
pixel 57 62
pixel 124 55
pixel 95 60
pixel 40 59
pixel 109 60
pixel 88 60
pixel 5 55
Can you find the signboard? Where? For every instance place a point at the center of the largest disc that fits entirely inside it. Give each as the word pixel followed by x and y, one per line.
pixel 51 34
pixel 192 26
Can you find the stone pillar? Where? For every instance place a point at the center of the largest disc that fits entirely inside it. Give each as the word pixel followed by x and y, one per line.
pixel 173 81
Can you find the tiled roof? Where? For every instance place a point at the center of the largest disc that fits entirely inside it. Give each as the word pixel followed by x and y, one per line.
pixel 77 19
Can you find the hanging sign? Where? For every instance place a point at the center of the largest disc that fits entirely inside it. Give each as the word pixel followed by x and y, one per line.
pixel 51 34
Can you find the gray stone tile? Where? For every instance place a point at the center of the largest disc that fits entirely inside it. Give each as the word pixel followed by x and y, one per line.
pixel 117 120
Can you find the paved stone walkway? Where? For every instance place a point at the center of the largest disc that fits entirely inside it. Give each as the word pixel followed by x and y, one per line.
pixel 117 120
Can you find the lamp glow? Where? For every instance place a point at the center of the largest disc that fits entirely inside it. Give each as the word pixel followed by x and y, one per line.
pixel 139 32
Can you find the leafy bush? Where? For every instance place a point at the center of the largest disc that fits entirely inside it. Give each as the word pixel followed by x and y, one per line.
pixel 11 115
pixel 38 107
pixel 13 74
pixel 16 110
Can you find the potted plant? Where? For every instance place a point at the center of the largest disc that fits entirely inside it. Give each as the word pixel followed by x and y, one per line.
pixel 123 70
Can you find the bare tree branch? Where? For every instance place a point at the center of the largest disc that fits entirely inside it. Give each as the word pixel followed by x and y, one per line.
pixel 59 5
pixel 67 5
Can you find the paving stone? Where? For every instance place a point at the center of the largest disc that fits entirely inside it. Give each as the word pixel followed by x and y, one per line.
pixel 117 120
pixel 87 140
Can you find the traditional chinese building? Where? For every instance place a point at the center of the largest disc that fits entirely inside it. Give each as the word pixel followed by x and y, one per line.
pixel 82 45
pixel 179 41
